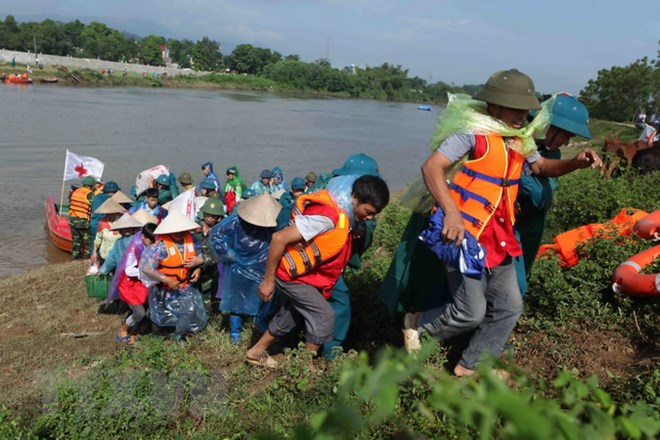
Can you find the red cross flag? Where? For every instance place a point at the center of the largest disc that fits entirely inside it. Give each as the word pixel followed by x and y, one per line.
pixel 78 167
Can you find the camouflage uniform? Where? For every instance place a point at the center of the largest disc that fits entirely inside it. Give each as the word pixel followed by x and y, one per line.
pixel 81 234
pixel 208 280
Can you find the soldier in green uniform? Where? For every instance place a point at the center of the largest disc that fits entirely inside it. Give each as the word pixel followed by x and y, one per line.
pixel 212 212
pixel 80 213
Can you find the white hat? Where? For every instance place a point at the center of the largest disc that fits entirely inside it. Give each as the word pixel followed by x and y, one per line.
pixel 120 197
pixel 277 194
pixel 126 222
pixel 110 207
pixel 261 210
pixel 144 217
pixel 175 222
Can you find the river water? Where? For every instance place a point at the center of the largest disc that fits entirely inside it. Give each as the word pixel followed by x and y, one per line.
pixel 132 129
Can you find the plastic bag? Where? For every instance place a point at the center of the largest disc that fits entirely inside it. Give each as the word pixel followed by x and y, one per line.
pixel 341 191
pixel 469 257
pixel 93 269
pixel 182 309
pixel 142 180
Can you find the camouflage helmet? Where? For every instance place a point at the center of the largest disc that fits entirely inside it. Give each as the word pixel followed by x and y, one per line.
pixel 510 88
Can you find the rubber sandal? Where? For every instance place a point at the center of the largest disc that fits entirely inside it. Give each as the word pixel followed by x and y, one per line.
pixel 123 340
pixel 264 361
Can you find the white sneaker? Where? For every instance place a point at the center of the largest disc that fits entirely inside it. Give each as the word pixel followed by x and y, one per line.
pixel 410 334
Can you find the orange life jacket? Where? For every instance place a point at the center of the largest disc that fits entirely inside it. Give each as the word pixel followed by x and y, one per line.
pixel 79 205
pixel 478 187
pixel 320 261
pixel 301 258
pixel 172 266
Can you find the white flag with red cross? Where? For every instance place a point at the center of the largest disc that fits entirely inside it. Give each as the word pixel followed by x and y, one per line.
pixel 79 167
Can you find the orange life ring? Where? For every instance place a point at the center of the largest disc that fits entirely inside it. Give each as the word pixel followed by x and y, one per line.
pixel 649 226
pixel 628 280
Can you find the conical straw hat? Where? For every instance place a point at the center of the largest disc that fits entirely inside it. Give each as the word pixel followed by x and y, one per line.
pixel 261 210
pixel 120 197
pixel 126 222
pixel 110 207
pixel 166 206
pixel 144 217
pixel 175 222
pixel 277 194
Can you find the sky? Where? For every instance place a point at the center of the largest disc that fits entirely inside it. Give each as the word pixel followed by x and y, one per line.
pixel 561 44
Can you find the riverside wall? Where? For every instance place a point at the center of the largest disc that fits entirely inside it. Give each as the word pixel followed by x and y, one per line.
pixel 28 58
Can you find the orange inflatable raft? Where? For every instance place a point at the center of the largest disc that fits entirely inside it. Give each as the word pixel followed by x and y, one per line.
pixel 627 277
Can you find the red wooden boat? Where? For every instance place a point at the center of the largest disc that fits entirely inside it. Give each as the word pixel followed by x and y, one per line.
pixel 58 226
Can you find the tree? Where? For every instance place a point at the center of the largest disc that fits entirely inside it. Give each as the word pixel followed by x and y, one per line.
pixel 253 60
pixel 150 50
pixel 206 55
pixel 100 41
pixel 620 92
pixel 181 52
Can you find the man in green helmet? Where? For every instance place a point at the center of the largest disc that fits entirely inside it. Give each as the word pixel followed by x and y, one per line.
pixel 494 144
pixel 80 214
pixel 568 118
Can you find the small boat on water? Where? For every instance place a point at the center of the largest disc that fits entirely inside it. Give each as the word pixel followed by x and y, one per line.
pixel 49 80
pixel 16 79
pixel 426 108
pixel 58 226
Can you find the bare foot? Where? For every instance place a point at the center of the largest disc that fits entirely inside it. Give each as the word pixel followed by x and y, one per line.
pixel 460 371
pixel 253 354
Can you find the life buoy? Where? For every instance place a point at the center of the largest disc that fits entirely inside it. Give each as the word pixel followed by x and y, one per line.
pixel 649 226
pixel 628 279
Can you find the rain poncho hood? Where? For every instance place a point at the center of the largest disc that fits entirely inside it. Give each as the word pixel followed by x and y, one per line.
pixel 469 257
pixel 237 181
pixel 211 175
pixel 341 191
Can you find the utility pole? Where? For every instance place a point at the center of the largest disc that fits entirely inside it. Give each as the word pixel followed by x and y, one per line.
pixel 34 40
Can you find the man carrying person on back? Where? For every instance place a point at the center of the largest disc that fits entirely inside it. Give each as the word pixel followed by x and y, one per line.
pixel 306 258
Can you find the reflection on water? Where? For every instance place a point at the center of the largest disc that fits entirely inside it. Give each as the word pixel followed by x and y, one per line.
pixel 133 129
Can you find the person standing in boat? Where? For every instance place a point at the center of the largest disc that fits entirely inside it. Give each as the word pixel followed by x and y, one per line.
pixel 80 214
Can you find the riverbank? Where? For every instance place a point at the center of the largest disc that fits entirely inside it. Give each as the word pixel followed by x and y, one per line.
pixel 63 376
pixel 81 77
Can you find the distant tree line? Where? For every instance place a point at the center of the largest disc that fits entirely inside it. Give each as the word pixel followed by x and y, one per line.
pixel 616 94
pixel 96 40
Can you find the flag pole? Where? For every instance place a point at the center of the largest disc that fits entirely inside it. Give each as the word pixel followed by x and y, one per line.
pixel 63 180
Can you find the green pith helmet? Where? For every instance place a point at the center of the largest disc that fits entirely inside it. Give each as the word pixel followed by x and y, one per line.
pixel 510 88
pixel 88 181
pixel 185 179
pixel 571 115
pixel 212 206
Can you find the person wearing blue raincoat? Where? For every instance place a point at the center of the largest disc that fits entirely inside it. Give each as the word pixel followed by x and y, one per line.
pixel 278 182
pixel 207 171
pixel 241 244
